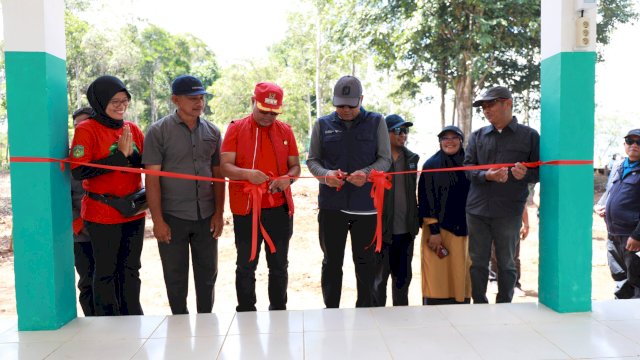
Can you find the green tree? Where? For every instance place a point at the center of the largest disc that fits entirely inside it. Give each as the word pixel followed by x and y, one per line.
pixel 466 45
pixel 162 57
pixel 459 45
pixel 233 90
pixel 75 31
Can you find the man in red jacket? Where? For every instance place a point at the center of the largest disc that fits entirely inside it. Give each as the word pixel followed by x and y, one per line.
pixel 261 150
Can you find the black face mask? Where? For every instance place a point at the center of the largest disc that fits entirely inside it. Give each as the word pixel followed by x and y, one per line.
pixel 99 93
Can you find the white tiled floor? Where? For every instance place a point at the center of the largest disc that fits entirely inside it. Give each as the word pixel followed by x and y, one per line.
pixel 505 331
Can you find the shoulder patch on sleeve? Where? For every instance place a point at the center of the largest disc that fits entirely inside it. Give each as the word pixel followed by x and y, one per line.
pixel 78 151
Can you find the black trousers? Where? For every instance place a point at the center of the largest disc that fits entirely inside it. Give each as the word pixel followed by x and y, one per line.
pixel 493 265
pixel 624 266
pixel 116 280
pixel 175 263
pixel 85 266
pixel 395 260
pixel 279 226
pixel 333 228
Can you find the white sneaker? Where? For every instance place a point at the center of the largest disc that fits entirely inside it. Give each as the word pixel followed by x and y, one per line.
pixel 492 288
pixel 518 292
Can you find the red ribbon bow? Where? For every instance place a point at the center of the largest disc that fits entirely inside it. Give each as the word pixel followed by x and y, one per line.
pixel 256 192
pixel 381 182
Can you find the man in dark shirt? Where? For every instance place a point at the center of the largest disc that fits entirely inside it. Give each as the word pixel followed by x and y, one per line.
pixel 186 213
pixel 621 214
pixel 497 196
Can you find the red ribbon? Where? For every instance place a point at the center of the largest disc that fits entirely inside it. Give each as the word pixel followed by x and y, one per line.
pixel 256 192
pixel 381 182
pixel 77 225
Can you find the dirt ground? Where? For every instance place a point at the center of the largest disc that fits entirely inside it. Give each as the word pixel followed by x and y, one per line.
pixel 305 260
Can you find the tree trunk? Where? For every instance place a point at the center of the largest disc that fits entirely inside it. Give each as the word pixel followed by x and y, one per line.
pixel 78 93
pixel 464 97
pixel 525 107
pixel 318 45
pixel 310 119
pixel 443 93
pixel 453 113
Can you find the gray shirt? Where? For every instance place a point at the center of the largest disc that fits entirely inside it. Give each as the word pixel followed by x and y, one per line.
pixel 170 143
pixel 515 143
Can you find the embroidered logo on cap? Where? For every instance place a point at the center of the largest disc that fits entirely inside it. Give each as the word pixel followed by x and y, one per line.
pixel 271 100
pixel 346 90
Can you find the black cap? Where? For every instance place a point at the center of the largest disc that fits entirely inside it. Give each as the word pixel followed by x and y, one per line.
pixel 634 132
pixel 395 121
pixel 347 91
pixel 187 85
pixel 496 92
pixel 452 128
pixel 85 110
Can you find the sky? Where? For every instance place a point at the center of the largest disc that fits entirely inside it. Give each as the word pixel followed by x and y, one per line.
pixel 234 30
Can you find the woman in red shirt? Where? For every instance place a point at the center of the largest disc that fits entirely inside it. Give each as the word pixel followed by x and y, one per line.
pixel 105 138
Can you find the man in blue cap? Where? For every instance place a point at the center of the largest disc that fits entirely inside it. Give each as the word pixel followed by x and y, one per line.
pixel 186 213
pixel 399 218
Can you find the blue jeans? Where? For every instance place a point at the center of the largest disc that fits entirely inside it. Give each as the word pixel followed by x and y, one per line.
pixel 504 233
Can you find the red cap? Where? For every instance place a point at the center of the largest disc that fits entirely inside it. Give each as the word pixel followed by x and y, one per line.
pixel 268 97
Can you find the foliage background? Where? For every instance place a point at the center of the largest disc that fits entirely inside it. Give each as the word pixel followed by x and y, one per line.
pixel 408 54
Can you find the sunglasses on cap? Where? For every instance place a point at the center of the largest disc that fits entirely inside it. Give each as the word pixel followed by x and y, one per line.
pixel 400 130
pixel 489 103
pixel 630 141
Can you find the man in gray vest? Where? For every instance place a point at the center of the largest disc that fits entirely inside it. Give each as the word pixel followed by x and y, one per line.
pixel 345 146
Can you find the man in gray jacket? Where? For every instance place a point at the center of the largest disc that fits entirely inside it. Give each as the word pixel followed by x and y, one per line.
pixel 345 146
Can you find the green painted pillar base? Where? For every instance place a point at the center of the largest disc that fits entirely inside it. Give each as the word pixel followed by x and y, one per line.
pixel 566 197
pixel 40 192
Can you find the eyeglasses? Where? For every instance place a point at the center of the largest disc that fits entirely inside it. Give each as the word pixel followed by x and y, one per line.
pixel 449 138
pixel 347 106
pixel 400 130
pixel 630 141
pixel 268 113
pixel 117 103
pixel 488 104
